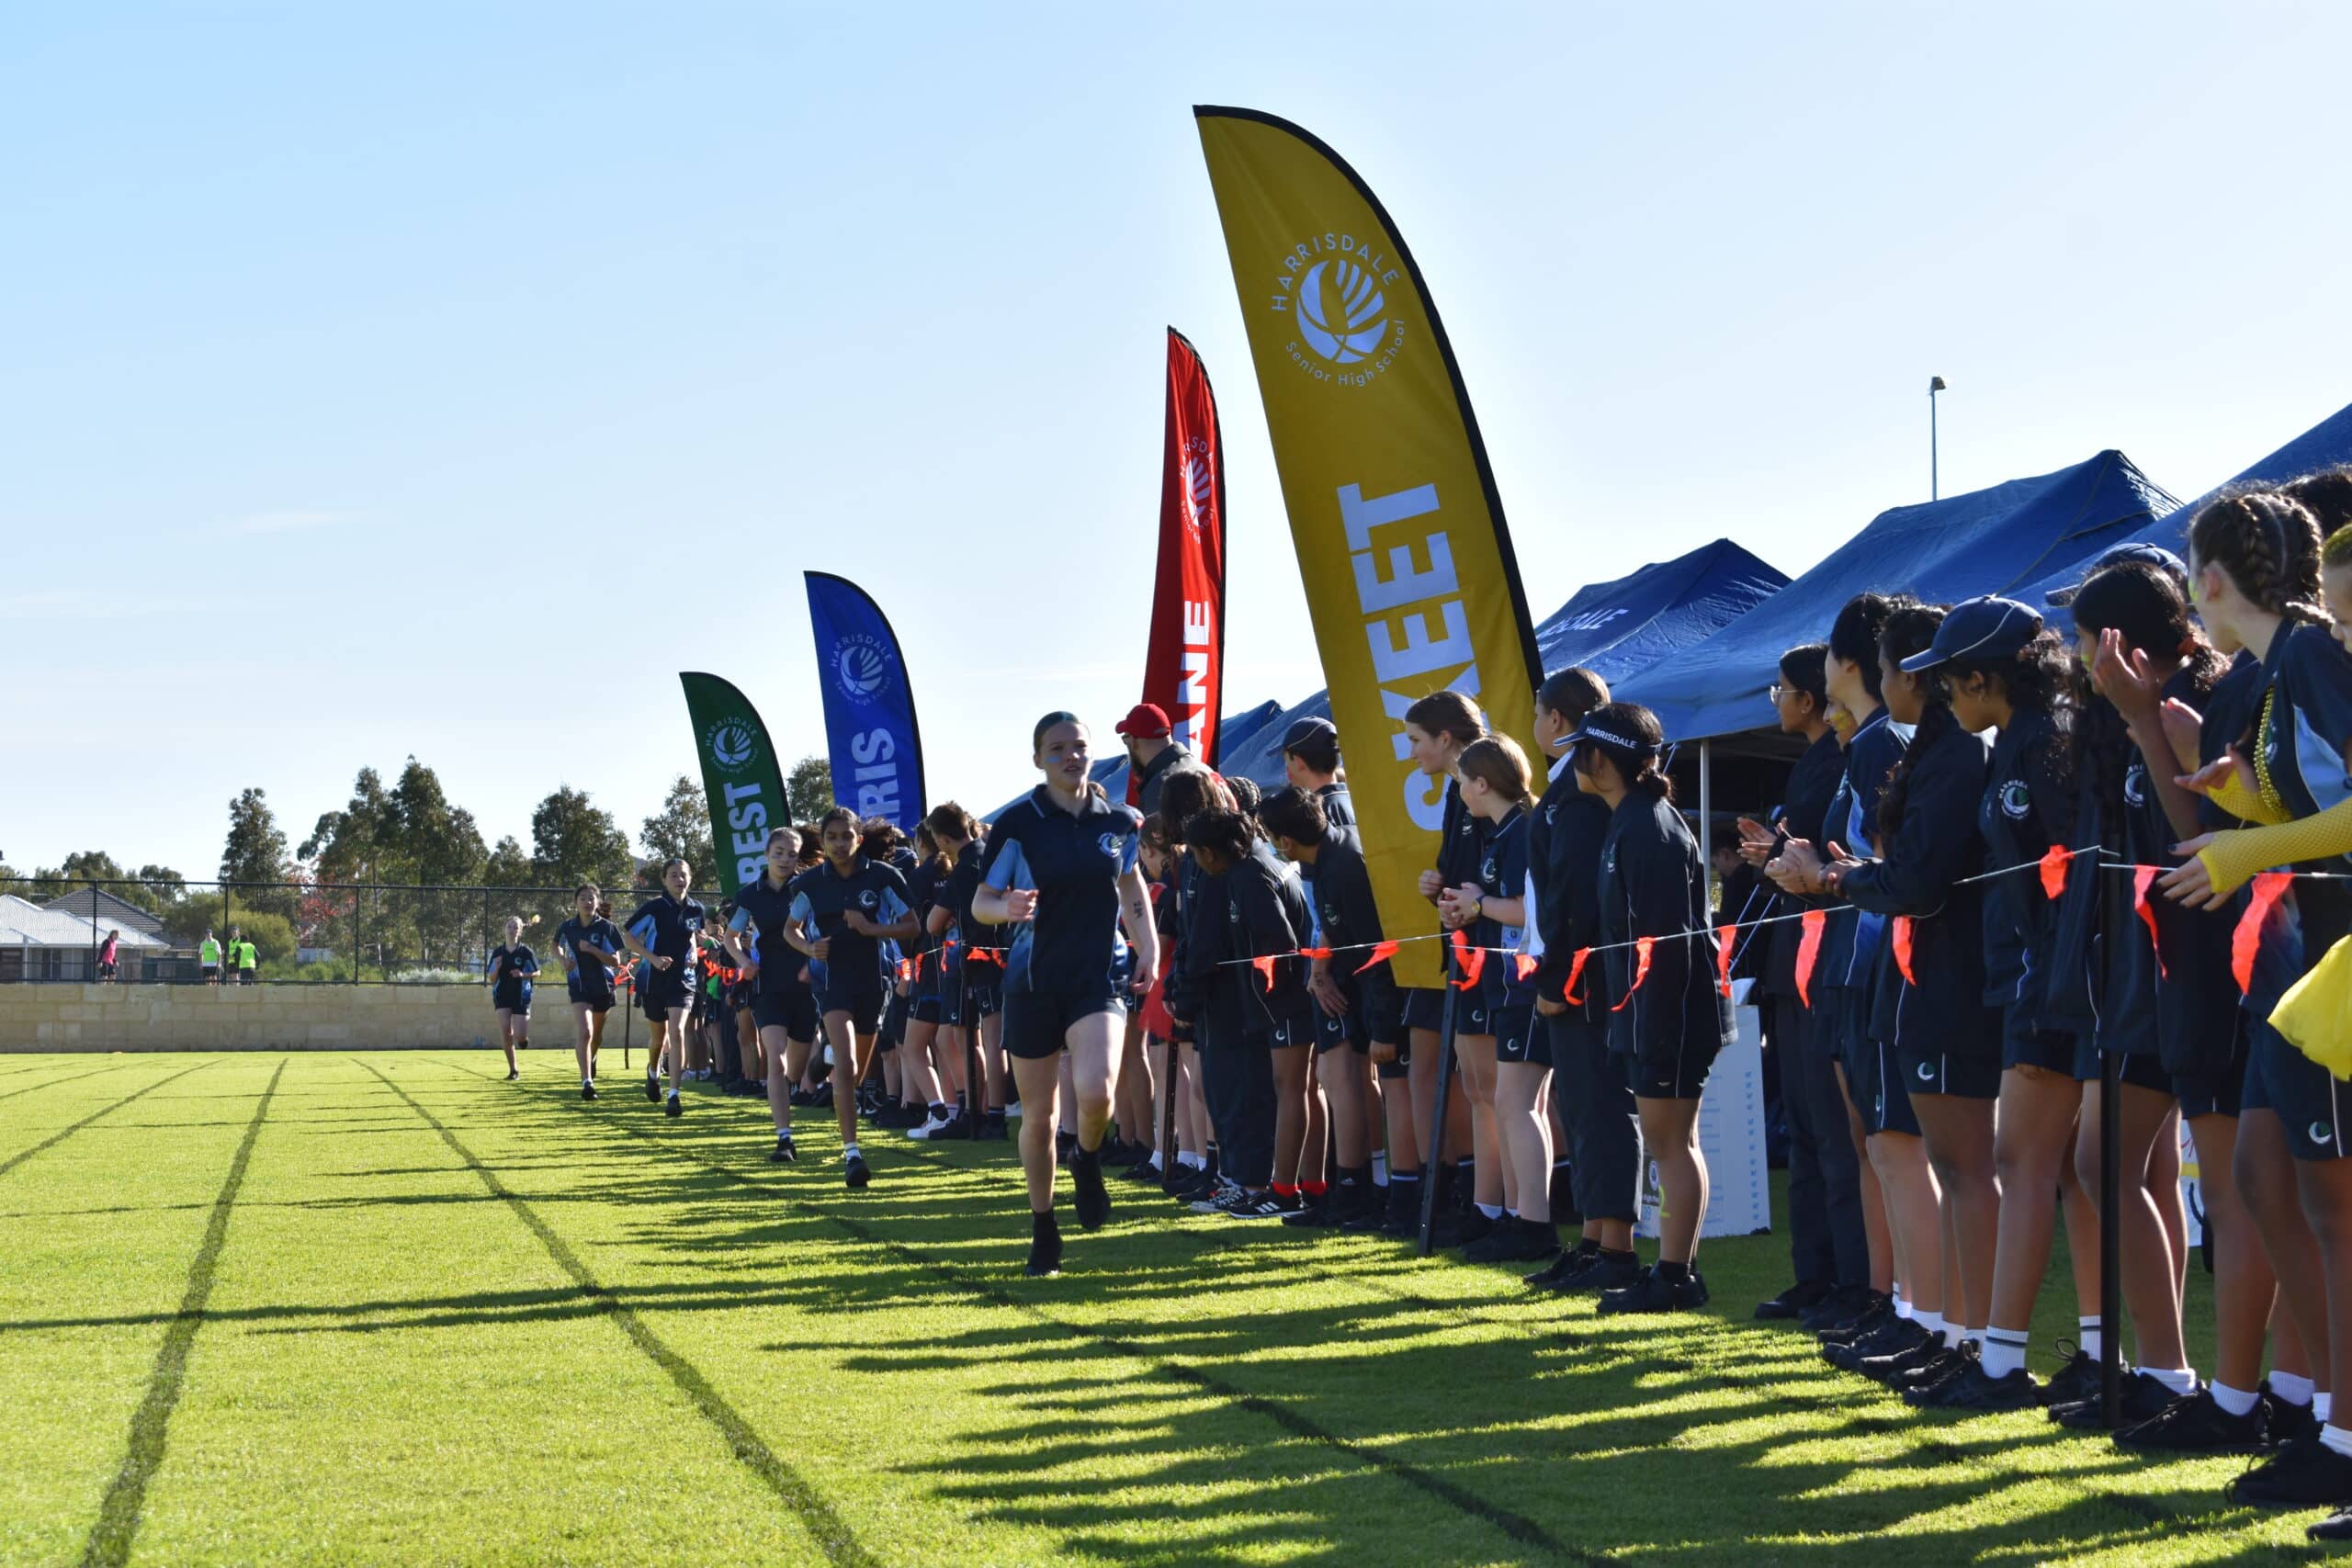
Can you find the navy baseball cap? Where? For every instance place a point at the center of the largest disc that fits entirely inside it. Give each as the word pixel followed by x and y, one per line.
pixel 2146 554
pixel 1307 731
pixel 1989 627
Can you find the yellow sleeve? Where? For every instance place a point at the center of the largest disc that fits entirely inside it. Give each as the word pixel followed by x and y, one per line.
pixel 2247 805
pixel 2238 852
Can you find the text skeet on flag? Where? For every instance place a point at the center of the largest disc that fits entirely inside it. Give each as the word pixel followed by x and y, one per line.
pixel 871 740
pixel 1184 670
pixel 1407 565
pixel 741 779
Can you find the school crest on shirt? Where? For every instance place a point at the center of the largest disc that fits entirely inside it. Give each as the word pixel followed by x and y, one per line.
pixel 1489 870
pixel 2015 800
pixel 868 899
pixel 1109 844
pixel 2135 785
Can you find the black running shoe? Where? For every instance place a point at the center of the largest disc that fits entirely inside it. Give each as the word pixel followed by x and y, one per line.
pixel 2281 1420
pixel 2143 1400
pixel 1370 1211
pixel 1869 1321
pixel 652 1088
pixel 1554 1275
pixel 1316 1214
pixel 1894 1363
pixel 673 1105
pixel 2337 1526
pixel 1793 1301
pixel 2300 1473
pixel 587 1091
pixel 1920 1379
pixel 1092 1199
pixel 1654 1293
pixel 1146 1171
pixel 1976 1393
pixel 2077 1380
pixel 513 1072
pixel 783 1153
pixel 1604 1274
pixel 1892 1337
pixel 1253 1206
pixel 1403 1220
pixel 1045 1249
pixel 1842 1308
pixel 1514 1241
pixel 2195 1423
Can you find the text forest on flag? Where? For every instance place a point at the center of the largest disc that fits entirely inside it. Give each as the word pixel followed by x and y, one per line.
pixel 1407 565
pixel 1183 672
pixel 741 780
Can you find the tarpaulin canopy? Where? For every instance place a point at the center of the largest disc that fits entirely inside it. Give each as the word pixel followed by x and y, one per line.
pixel 1989 541
pixel 1612 628
pixel 2324 446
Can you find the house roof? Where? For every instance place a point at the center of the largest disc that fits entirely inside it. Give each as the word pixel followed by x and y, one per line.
pixel 27 923
pixel 112 911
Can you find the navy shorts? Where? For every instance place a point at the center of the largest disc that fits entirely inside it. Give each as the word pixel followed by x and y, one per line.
pixel 1969 1075
pixel 1520 1035
pixel 2215 1094
pixel 862 1003
pixel 512 997
pixel 1679 1074
pixel 793 1010
pixel 1873 1076
pixel 591 986
pixel 2143 1069
pixel 895 1011
pixel 1037 1023
pixel 2305 1097
pixel 1424 1009
pixel 932 1008
pixel 2024 1046
pixel 664 993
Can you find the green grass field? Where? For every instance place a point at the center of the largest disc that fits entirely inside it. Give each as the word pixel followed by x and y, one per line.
pixel 387 1308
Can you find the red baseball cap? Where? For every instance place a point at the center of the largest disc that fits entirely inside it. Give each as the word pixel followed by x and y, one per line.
pixel 1145 721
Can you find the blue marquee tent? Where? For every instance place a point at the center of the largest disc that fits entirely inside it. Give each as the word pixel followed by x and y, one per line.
pixel 1989 541
pixel 2324 446
pixel 1613 629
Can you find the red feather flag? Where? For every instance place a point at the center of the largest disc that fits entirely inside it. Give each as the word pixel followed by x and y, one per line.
pixel 1809 951
pixel 2268 886
pixel 1641 945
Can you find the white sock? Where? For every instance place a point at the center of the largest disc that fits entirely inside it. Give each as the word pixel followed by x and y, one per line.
pixel 2232 1401
pixel 1933 1321
pixel 585 1082
pixel 1905 1310
pixel 2004 1352
pixel 2323 1405
pixel 1155 1160
pixel 1973 1337
pixel 1192 1162
pixel 2086 1335
pixel 1380 1170
pixel 1492 1210
pixel 2177 1380
pixel 2292 1387
pixel 849 1151
pixel 2337 1437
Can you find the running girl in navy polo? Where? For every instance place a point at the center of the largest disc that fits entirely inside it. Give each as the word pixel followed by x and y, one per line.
pixel 1515 1059
pixel 590 947
pixel 1437 729
pixel 2001 671
pixel 661 934
pixel 2253 569
pixel 843 911
pixel 1667 1015
pixel 512 966
pixel 1590 1087
pixel 784 1011
pixel 1062 867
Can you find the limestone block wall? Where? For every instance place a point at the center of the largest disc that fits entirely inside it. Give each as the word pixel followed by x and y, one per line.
pixel 249 1018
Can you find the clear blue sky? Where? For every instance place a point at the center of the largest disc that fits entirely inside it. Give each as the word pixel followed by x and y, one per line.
pixel 443 378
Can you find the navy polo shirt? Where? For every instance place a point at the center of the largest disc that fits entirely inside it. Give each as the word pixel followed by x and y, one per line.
pixel 1074 863
pixel 822 898
pixel 764 909
pixel 666 927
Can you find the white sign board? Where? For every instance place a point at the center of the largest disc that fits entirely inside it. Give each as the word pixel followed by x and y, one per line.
pixel 1731 1138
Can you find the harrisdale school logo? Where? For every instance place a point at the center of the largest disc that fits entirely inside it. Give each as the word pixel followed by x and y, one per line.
pixel 732 742
pixel 1200 482
pixel 860 665
pixel 1335 287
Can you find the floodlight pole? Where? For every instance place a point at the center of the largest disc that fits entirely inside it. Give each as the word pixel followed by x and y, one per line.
pixel 1935 385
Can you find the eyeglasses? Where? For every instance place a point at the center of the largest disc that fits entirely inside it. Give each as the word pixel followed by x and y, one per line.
pixel 1775 693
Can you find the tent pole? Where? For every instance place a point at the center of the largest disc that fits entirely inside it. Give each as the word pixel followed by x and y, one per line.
pixel 1706 809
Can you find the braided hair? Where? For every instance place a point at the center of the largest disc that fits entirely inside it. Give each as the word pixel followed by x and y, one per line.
pixel 2268 544
pixel 1910 629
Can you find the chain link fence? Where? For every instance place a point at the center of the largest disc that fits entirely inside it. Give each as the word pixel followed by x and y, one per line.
pixel 56 929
